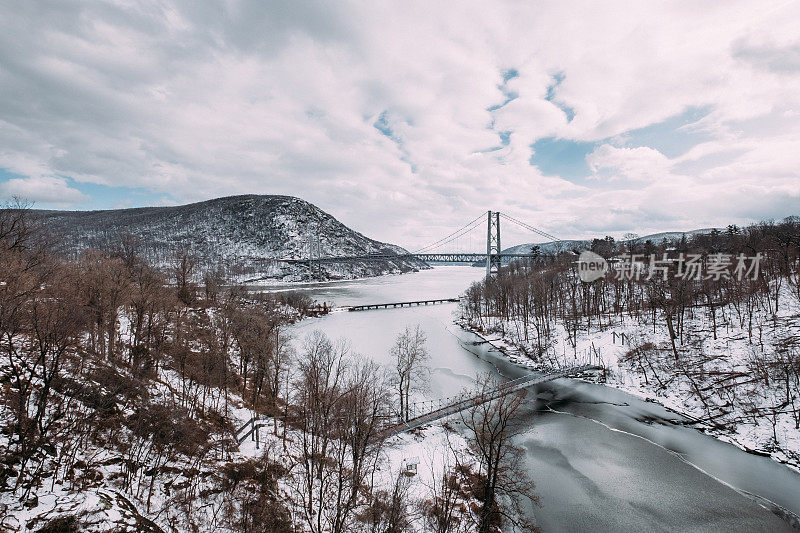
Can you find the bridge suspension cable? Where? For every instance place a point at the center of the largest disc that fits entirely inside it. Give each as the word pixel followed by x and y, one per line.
pixel 463 230
pixel 529 227
pixel 493 256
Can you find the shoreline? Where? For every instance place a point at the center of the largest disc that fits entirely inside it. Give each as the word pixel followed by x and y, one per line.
pixel 698 424
pixel 790 517
pixel 427 439
pixel 513 355
pixel 289 285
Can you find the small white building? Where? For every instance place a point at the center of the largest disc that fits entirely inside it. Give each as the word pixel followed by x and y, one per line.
pixel 410 465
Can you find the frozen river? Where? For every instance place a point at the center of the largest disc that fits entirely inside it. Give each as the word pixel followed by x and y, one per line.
pixel 602 460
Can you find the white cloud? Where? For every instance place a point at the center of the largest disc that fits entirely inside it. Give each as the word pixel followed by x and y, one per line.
pixel 247 97
pixel 635 164
pixel 47 190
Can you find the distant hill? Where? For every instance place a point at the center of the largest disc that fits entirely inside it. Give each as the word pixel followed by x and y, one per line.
pixel 236 234
pixel 673 235
pixel 548 248
pixel 556 247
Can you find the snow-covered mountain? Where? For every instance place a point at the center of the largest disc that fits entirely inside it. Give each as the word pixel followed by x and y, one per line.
pixel 239 234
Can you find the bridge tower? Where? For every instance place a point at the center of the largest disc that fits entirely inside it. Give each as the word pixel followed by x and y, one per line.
pixel 493 244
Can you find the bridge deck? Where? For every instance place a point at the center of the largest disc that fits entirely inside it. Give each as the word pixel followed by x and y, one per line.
pixel 510 387
pixel 462 405
pixel 366 307
pixel 428 258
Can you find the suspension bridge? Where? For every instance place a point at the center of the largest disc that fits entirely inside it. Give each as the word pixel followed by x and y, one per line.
pixel 449 406
pixel 436 252
pixel 429 411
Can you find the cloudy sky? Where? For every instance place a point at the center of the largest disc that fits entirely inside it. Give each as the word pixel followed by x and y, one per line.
pixel 410 119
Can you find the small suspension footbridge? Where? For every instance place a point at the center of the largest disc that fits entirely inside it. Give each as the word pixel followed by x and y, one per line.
pixel 450 406
pixel 433 410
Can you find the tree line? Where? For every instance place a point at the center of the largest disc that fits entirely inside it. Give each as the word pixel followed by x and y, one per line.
pixel 114 373
pixel 543 302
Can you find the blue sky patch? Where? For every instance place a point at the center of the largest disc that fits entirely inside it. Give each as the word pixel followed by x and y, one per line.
pixel 382 125
pixel 108 197
pixel 100 196
pixel 672 137
pixel 505 136
pixel 551 96
pixel 510 74
pixel 507 75
pixel 6 175
pixel 562 157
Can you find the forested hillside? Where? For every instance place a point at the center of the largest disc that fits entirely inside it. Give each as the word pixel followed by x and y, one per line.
pixel 236 236
pixel 134 400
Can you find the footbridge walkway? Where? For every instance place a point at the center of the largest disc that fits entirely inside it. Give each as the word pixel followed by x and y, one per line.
pixel 444 407
pixel 464 403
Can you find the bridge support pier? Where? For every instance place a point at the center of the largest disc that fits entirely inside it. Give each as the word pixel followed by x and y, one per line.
pixel 493 261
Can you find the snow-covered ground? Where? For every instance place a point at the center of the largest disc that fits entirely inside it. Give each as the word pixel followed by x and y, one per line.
pixel 433 449
pixel 106 505
pixel 721 369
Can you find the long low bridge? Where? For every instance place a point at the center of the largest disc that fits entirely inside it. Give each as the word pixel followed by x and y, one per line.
pixel 428 258
pixel 445 407
pixel 391 305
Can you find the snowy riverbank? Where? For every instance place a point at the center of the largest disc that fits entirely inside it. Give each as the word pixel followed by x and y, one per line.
pixel 729 355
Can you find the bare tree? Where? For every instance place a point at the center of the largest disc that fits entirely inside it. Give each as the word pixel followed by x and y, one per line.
pixel 252 502
pixel 340 403
pixel 183 266
pixel 51 333
pixel 389 510
pixel 213 281
pixel 105 282
pixel 410 355
pixel 446 509
pixel 501 485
